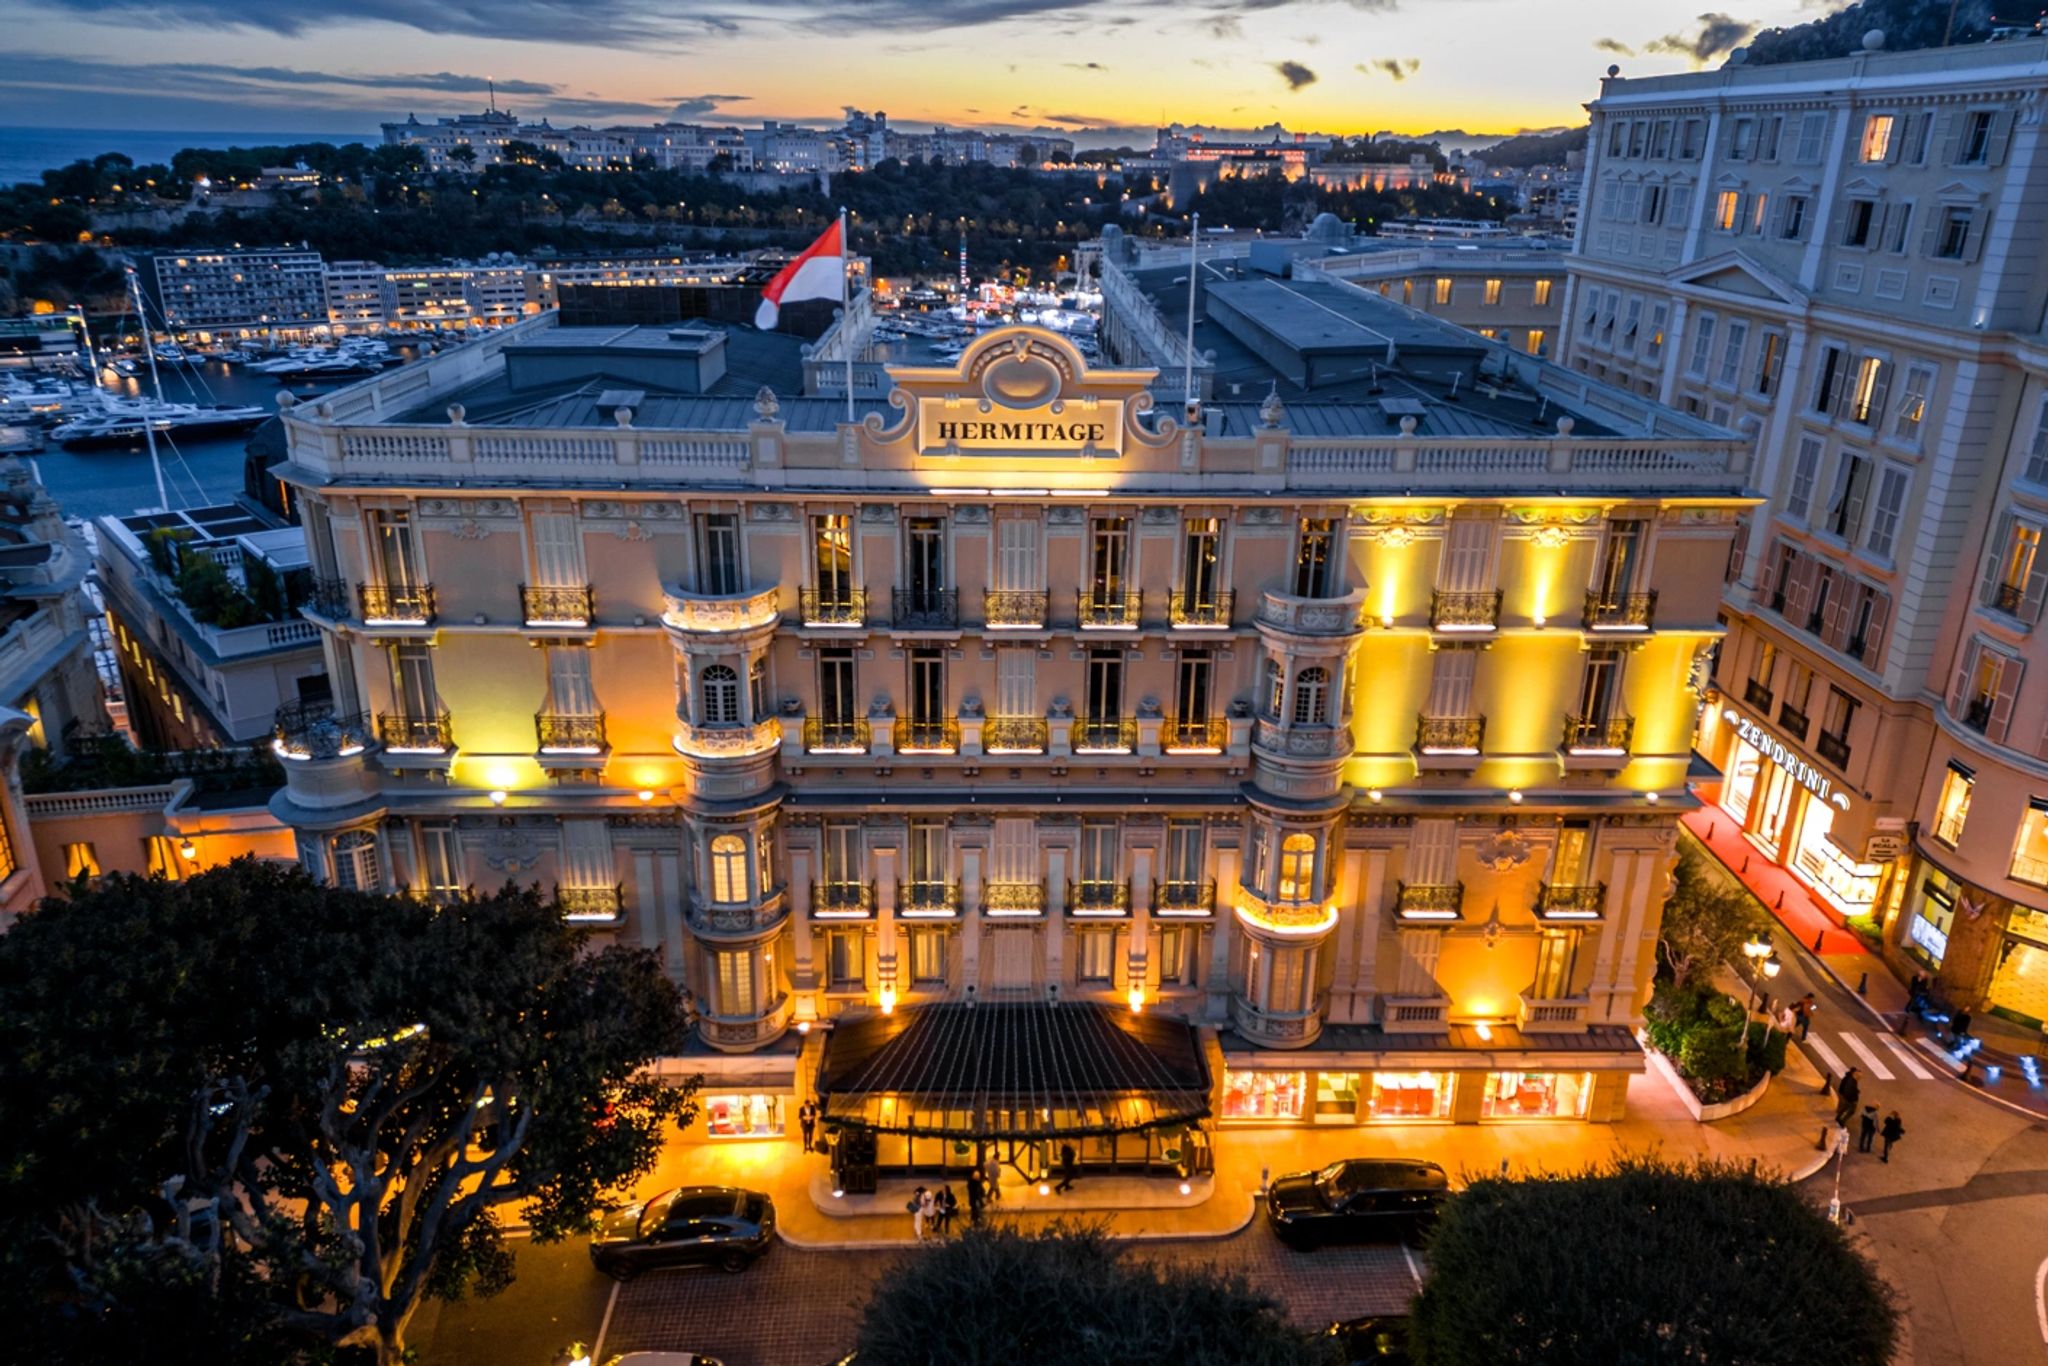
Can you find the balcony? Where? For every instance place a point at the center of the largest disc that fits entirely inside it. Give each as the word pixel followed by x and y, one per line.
pixel 329 598
pixel 1415 1014
pixel 1598 737
pixel 728 742
pixel 1426 903
pixel 915 736
pixel 1464 613
pixel 713 614
pixel 1551 1015
pixel 1006 609
pixel 1834 749
pixel 1194 735
pixel 386 604
pixel 841 900
pixel 1571 902
pixel 1620 611
pixel 1977 714
pixel 1105 735
pixel 1284 920
pixel 1793 720
pixel 833 607
pixel 924 609
pixel 719 920
pixel 832 735
pixel 1112 610
pixel 1277 1029
pixel 1302 742
pixel 1177 899
pixel 1015 735
pixel 591 905
pixel 315 730
pixel 1099 899
pixel 570 733
pixel 929 900
pixel 2007 598
pixel 1313 616
pixel 1449 736
pixel 414 734
pixel 1201 611
pixel 1012 899
pixel 557 606
pixel 1757 695
pixel 745 1033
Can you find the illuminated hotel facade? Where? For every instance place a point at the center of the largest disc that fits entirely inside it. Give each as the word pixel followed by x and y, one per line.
pixel 1351 732
pixel 1836 257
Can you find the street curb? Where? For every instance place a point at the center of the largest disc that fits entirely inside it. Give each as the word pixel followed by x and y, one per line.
pixel 879 1244
pixel 1813 1167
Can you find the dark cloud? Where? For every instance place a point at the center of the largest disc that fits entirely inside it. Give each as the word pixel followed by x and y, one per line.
pixel 1084 66
pixel 1295 74
pixel 1224 27
pixel 1400 68
pixel 697 106
pixel 1717 35
pixel 1614 45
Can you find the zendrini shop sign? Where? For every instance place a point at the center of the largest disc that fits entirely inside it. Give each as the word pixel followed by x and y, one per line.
pixel 1091 429
pixel 1785 757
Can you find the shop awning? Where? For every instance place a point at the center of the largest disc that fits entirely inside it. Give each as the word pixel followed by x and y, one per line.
pixel 1014 1070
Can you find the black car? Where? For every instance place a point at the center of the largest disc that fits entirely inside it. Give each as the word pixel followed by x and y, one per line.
pixel 697 1225
pixel 1357 1200
pixel 1376 1340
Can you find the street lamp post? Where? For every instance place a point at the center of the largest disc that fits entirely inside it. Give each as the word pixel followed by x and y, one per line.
pixel 1762 962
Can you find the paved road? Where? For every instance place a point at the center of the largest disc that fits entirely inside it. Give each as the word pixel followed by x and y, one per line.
pixel 802 1308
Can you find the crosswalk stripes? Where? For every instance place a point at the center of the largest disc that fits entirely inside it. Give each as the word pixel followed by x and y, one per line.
pixel 1827 1055
pixel 1881 1065
pixel 1905 1055
pixel 1862 1050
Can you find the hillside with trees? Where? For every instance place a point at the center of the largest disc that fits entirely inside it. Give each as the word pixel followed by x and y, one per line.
pixel 1534 149
pixel 1907 24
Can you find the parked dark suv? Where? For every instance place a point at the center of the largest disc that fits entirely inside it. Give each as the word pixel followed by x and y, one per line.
pixel 696 1225
pixel 1357 1200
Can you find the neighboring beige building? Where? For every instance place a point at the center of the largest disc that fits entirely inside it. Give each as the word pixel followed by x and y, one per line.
pixel 1349 726
pixel 1506 292
pixel 1840 258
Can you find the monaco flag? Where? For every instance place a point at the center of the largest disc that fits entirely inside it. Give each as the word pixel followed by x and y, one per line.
pixel 820 273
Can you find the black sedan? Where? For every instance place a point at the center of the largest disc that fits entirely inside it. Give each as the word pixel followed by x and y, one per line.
pixel 695 1226
pixel 1356 1200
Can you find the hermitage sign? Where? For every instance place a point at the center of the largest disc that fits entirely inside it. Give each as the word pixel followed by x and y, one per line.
pixel 1091 429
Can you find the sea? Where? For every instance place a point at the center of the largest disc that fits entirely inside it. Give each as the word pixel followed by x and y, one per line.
pixel 25 153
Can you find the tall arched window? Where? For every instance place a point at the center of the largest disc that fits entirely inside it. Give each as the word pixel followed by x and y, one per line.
pixel 729 870
pixel 1312 697
pixel 1298 867
pixel 1274 688
pixel 718 696
pixel 355 861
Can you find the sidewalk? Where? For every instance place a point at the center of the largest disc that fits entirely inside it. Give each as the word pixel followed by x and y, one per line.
pixel 1779 1133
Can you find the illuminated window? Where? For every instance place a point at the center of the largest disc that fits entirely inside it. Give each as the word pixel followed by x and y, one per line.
pixel 1536 1095
pixel 1877 137
pixel 1443 289
pixel 735 982
pixel 1539 341
pixel 846 960
pixel 2030 850
pixel 1867 390
pixel 729 885
pixel 1410 1095
pixel 1297 868
pixel 81 861
pixel 1927 932
pixel 1542 293
pixel 1274 689
pixel 1954 807
pixel 1493 293
pixel 1727 209
pixel 1097 955
pixel 928 955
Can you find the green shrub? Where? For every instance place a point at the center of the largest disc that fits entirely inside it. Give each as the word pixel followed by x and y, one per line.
pixel 1767 1054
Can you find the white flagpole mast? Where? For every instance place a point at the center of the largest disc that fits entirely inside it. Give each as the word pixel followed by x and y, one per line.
pixel 846 306
pixel 1194 264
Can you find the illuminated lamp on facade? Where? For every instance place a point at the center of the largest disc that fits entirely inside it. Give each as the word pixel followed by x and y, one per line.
pixel 1281 918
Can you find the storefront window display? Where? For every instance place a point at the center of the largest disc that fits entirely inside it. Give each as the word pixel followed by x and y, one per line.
pixel 1927 931
pixel 1536 1095
pixel 1264 1095
pixel 1410 1095
pixel 2021 983
pixel 743 1116
pixel 1337 1097
pixel 2030 850
pixel 1850 885
pixel 1740 788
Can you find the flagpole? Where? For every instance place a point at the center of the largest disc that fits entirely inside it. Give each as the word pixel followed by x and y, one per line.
pixel 846 306
pixel 1194 264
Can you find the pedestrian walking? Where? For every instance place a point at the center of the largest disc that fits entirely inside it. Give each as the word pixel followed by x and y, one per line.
pixel 807 1120
pixel 1847 1092
pixel 977 1196
pixel 1916 993
pixel 916 1208
pixel 1894 1130
pixel 1066 1170
pixel 993 1177
pixel 1788 1020
pixel 1866 1129
pixel 927 1211
pixel 949 1205
pixel 1959 1026
pixel 1806 1008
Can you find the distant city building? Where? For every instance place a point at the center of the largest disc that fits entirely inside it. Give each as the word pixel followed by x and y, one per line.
pixel 239 290
pixel 470 142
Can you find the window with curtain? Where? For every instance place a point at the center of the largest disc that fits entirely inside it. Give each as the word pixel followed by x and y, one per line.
pixel 736 996
pixel 1298 867
pixel 718 696
pixel 729 884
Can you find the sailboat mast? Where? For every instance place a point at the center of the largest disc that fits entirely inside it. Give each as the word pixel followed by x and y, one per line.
pixel 92 361
pixel 163 500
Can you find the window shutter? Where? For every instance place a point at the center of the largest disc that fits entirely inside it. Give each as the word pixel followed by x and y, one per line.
pixel 1994 562
pixel 1450 684
pixel 1896 150
pixel 2000 139
pixel 1838 224
pixel 1930 236
pixel 557 551
pixel 1467 549
pixel 2009 671
pixel 1834 616
pixel 1738 549
pixel 1854 496
pixel 1881 392
pixel 1873 634
pixel 1980 228
pixel 1951 133
pixel 2036 587
pixel 1799 593
pixel 1960 688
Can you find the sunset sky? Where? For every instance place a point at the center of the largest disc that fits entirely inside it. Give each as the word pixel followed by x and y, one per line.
pixel 1106 70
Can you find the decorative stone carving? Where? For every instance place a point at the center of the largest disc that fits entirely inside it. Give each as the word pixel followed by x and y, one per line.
pixel 1064 516
pixel 1159 516
pixel 877 514
pixel 772 512
pixel 510 849
pixel 1272 412
pixel 631 531
pixel 468 530
pixel 767 408
pixel 970 514
pixel 1504 851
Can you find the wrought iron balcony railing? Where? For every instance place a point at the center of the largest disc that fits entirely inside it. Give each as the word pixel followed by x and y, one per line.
pixel 1430 901
pixel 832 735
pixel 931 899
pixel 1598 735
pixel 2007 597
pixel 1757 695
pixel 570 732
pixel 1194 735
pixel 1100 897
pixel 1013 609
pixel 590 903
pixel 1449 734
pixel 314 730
pixel 1794 720
pixel 414 734
pixel 557 606
pixel 1201 610
pixel 1465 611
pixel 833 606
pixel 1014 735
pixel 1179 897
pixel 926 737
pixel 386 604
pixel 1105 735
pixel 1620 611
pixel 1833 748
pixel 924 609
pixel 329 598
pixel 1013 898
pixel 1115 610
pixel 843 900
pixel 1571 901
